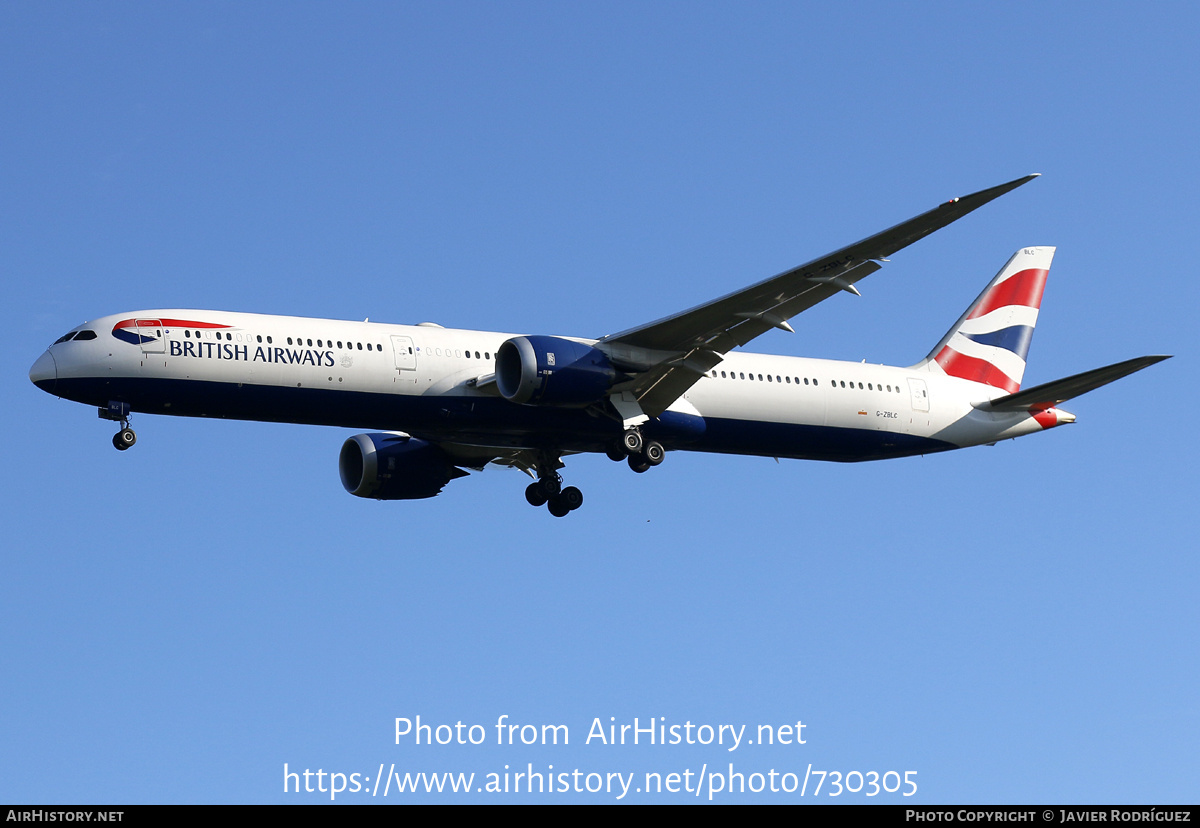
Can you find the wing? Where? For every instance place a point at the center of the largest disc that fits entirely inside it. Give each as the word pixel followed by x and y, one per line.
pixel 668 356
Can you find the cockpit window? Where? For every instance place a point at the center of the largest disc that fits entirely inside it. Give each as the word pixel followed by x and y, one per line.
pixel 64 337
pixel 82 335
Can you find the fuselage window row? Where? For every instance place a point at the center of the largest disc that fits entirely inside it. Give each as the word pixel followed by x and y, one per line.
pixel 870 386
pixel 769 378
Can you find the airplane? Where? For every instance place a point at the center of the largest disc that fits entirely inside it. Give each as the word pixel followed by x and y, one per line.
pixel 442 400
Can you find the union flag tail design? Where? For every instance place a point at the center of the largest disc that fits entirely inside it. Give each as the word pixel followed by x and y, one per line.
pixel 990 342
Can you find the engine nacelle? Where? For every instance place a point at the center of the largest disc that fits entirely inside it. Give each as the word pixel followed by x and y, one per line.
pixel 547 370
pixel 394 467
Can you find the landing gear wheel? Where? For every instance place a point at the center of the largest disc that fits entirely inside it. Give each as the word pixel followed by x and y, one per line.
pixel 571 497
pixel 565 502
pixel 654 452
pixel 551 485
pixel 632 441
pixel 536 494
pixel 124 439
pixel 638 463
pixel 616 453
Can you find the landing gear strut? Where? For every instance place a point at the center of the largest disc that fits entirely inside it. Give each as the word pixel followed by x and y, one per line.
pixel 548 489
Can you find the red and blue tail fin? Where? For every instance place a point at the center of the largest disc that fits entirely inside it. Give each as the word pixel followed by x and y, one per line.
pixel 990 342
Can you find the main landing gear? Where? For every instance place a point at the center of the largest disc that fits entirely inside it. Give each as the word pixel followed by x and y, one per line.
pixel 548 489
pixel 119 412
pixel 640 453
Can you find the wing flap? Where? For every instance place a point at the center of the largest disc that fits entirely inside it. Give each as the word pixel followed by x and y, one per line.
pixel 666 382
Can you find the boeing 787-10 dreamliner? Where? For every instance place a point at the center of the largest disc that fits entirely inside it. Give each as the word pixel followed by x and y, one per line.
pixel 443 400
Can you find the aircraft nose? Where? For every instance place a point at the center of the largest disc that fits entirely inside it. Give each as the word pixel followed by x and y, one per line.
pixel 44 372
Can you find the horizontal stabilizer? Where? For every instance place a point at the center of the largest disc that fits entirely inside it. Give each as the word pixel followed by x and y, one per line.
pixel 1053 393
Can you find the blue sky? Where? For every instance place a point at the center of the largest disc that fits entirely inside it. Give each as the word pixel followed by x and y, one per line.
pixel 1015 624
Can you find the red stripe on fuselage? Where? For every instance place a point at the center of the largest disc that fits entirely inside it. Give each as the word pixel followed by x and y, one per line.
pixel 1024 288
pixel 148 322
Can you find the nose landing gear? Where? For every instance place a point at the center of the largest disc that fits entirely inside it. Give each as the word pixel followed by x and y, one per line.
pixel 119 412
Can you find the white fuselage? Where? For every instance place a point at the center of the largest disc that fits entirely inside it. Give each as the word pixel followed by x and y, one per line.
pixel 436 382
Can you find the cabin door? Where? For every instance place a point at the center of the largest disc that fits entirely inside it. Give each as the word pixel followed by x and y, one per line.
pixel 150 332
pixel 406 358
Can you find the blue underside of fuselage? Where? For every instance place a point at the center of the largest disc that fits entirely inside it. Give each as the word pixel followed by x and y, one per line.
pixel 486 421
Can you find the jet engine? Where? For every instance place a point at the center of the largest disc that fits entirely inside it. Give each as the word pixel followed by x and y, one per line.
pixel 394 467
pixel 548 370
